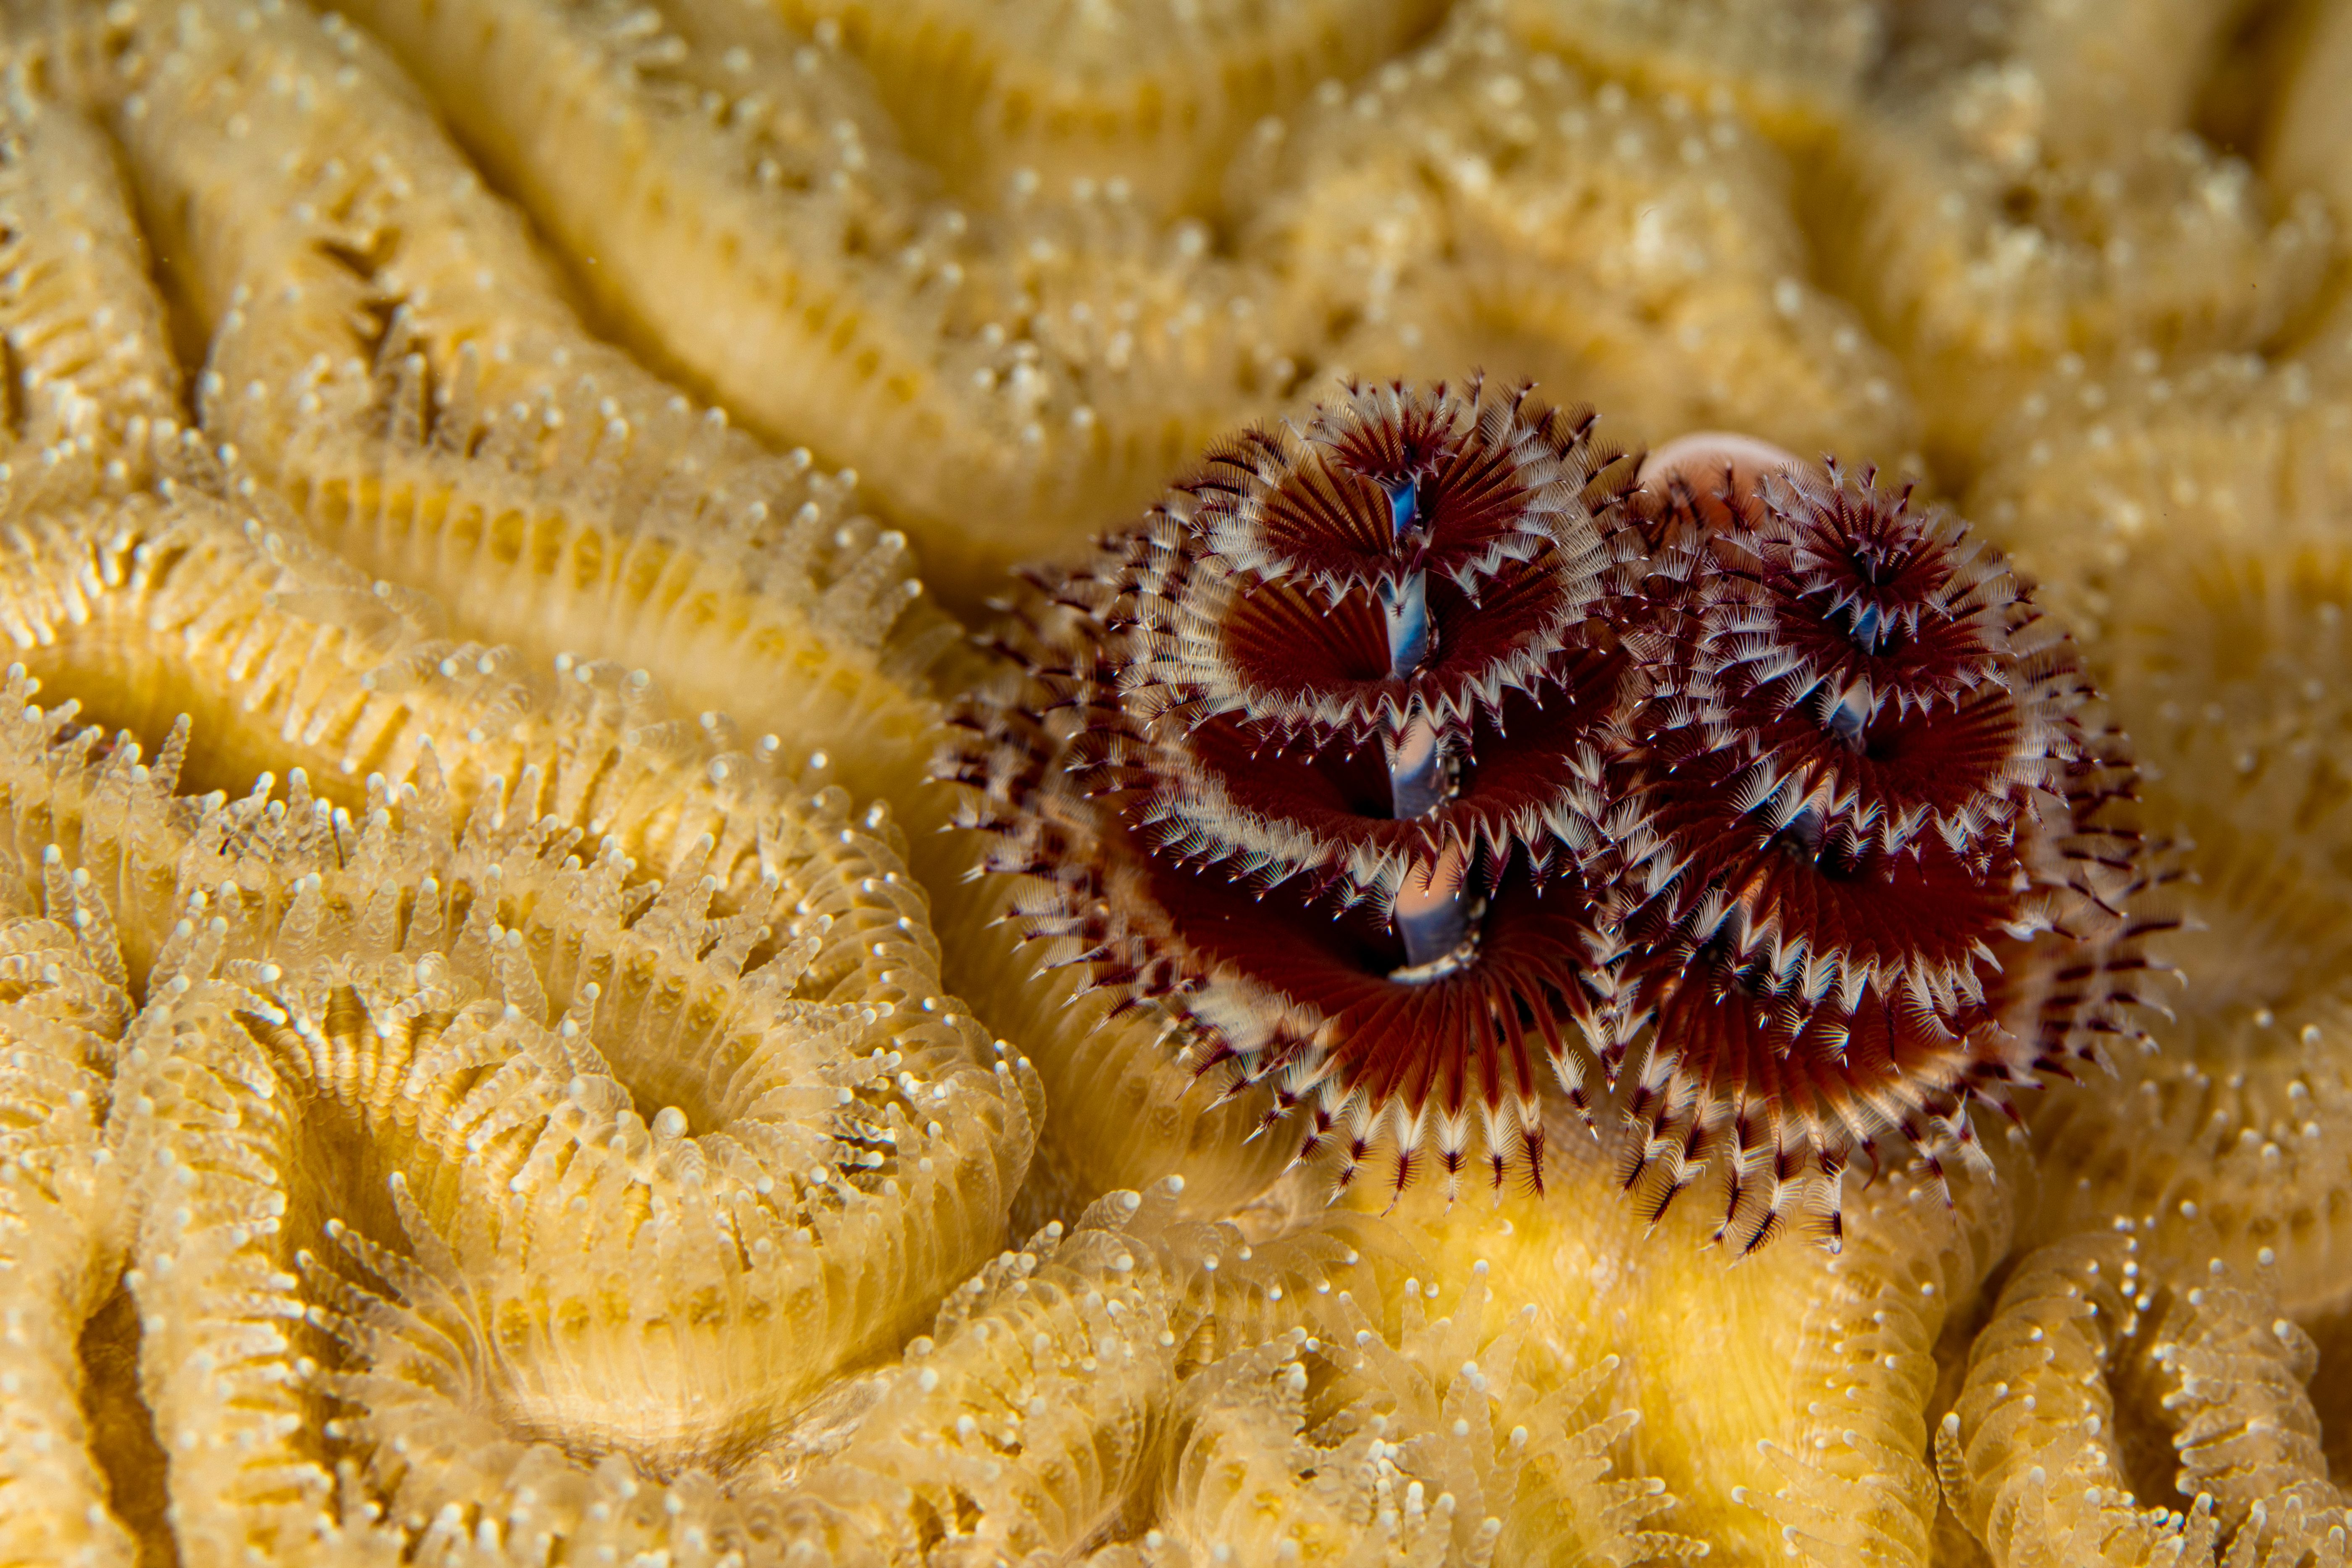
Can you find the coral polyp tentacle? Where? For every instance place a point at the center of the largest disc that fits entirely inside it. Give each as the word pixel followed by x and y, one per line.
pixel 1423 761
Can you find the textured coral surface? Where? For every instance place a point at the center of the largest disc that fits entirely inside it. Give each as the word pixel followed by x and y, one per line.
pixel 524 1039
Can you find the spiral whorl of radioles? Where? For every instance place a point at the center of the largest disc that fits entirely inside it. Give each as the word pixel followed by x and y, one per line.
pixel 1315 755
pixel 1422 757
pixel 1883 865
pixel 1356 656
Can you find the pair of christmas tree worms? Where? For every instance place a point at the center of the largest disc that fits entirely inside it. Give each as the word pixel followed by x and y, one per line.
pixel 1431 752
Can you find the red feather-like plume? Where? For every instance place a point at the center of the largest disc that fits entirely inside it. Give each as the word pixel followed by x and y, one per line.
pixel 1883 865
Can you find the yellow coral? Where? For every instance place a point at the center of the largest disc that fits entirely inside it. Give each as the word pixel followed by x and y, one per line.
pixel 363 976
pixel 2095 1373
pixel 1816 1367
pixel 1038 390
pixel 1801 67
pixel 92 366
pixel 2233 1139
pixel 2308 132
pixel 482 1074
pixel 2042 198
pixel 1499 1454
pixel 1151 93
pixel 394 355
pixel 1475 203
pixel 2103 477
pixel 61 1220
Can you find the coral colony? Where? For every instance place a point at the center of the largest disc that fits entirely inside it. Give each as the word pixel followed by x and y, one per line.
pixel 501 1060
pixel 1425 751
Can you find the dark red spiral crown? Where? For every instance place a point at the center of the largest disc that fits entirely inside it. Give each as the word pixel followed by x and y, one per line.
pixel 1883 865
pixel 1393 756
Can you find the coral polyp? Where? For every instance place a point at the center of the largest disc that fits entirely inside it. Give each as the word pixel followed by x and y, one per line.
pixel 1313 756
pixel 1427 756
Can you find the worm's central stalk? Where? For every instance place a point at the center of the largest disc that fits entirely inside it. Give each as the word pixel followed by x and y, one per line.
pixel 1429 914
pixel 1417 781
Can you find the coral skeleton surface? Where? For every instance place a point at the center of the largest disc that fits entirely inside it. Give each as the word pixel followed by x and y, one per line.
pixel 1175 782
